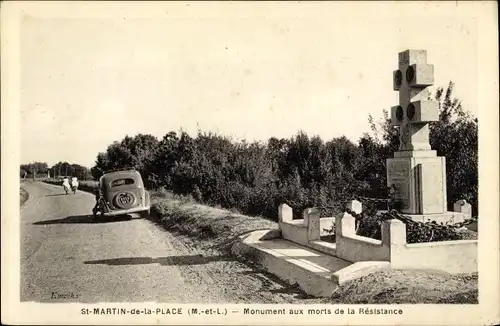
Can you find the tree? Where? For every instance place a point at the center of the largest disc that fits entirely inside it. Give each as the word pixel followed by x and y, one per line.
pixel 163 161
pixel 138 152
pixel 456 137
pixel 101 164
pixel 34 168
pixel 67 169
pixel 302 171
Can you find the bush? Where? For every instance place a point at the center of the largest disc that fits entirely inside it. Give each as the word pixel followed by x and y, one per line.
pixel 415 233
pixel 88 186
pixel 302 171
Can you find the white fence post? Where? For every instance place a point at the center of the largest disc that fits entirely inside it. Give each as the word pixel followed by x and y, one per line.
pixel 393 232
pixel 312 216
pixel 285 213
pixel 462 206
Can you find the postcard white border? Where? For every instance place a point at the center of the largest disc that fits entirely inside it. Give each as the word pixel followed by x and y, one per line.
pixel 36 313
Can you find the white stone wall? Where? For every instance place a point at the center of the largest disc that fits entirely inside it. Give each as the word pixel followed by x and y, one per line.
pixel 448 256
pixel 294 232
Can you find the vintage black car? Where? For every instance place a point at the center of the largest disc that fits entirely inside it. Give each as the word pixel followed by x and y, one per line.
pixel 122 192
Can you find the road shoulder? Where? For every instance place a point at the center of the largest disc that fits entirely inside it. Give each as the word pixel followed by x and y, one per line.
pixel 24 195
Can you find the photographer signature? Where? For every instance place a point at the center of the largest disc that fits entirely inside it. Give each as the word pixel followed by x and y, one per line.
pixel 69 295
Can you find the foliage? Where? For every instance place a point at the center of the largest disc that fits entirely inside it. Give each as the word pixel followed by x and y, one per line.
pixel 371 227
pixel 456 137
pixel 42 170
pixel 137 151
pixel 33 169
pixel 301 171
pixel 67 169
pixel 88 186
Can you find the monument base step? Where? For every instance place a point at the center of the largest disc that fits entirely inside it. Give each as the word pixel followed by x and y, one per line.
pixel 318 274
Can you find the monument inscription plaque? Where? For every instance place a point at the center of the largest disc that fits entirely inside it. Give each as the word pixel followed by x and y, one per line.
pixel 399 174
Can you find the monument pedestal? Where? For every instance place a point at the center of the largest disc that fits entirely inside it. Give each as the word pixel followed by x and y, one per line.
pixel 419 179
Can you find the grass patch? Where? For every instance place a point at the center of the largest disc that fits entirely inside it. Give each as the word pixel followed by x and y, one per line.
pixel 218 227
pixel 410 287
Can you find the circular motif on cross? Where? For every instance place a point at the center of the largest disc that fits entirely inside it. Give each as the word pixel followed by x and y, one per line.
pixel 398 78
pixel 410 74
pixel 399 113
pixel 410 111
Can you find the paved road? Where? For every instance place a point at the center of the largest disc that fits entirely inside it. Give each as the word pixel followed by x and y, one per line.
pixel 65 257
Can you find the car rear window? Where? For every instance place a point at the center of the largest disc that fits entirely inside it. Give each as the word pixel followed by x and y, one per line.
pixel 121 182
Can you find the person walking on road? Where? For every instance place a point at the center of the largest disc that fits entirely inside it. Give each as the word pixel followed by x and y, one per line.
pixel 66 185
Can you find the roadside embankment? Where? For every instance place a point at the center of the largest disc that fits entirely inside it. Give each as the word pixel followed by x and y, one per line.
pixel 206 226
pixel 23 194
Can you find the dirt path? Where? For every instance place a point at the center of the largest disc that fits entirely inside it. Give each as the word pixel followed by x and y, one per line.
pixel 65 253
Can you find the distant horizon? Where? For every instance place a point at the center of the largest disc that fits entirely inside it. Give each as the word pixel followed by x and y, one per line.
pixel 194 134
pixel 244 74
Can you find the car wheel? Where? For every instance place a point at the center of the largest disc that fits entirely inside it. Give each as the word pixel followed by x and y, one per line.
pixel 144 214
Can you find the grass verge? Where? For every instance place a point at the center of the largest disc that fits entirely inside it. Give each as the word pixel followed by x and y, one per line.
pixel 207 226
pixel 23 196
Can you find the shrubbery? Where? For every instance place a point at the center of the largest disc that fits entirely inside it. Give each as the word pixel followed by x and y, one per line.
pixel 89 186
pixel 371 227
pixel 302 171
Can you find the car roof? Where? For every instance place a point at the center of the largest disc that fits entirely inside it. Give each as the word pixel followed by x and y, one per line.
pixel 121 174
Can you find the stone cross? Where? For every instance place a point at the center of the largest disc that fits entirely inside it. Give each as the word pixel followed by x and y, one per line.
pixel 414 112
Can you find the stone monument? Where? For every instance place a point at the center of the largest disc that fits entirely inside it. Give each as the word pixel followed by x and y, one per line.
pixel 416 172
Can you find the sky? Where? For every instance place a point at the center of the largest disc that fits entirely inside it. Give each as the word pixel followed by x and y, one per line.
pixel 246 70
